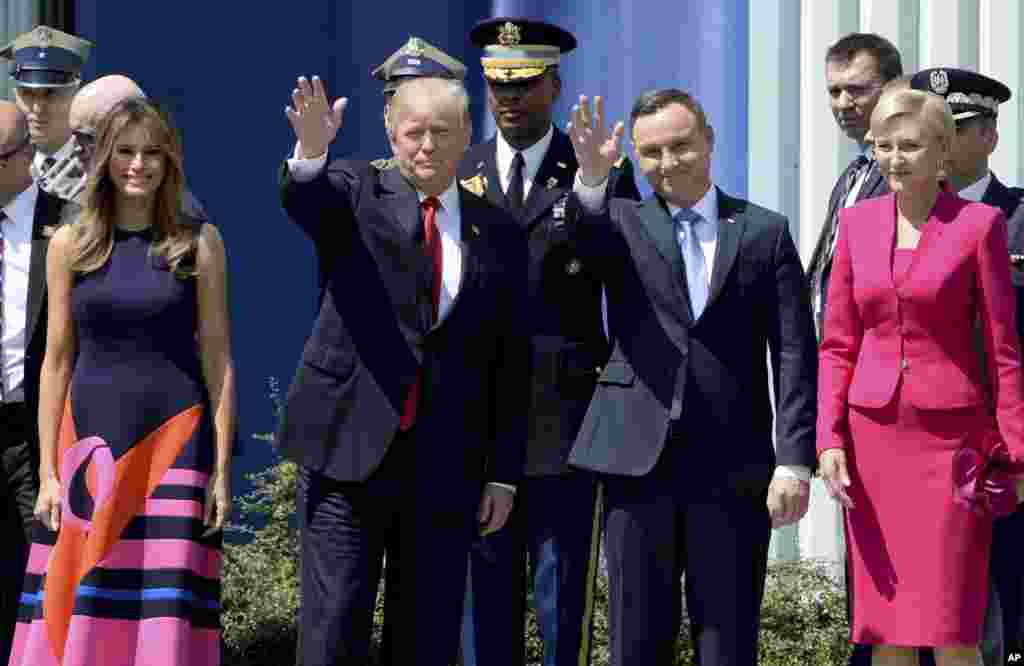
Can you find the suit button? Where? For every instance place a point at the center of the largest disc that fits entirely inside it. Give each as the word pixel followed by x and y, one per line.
pixel 905 364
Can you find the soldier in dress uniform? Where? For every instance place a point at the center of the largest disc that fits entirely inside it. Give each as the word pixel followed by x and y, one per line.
pixel 974 100
pixel 529 168
pixel 45 67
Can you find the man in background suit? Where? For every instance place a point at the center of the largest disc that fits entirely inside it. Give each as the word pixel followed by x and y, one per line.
pixel 28 217
pixel 701 286
pixel 528 168
pixel 974 100
pixel 406 414
pixel 857 68
pixel 45 66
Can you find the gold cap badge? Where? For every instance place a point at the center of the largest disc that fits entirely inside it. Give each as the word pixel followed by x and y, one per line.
pixel 509 34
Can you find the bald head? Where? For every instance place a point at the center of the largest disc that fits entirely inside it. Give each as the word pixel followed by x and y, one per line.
pixel 97 98
pixel 15 174
pixel 13 125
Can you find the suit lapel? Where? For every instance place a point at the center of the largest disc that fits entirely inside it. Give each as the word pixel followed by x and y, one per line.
pixel 485 166
pixel 659 228
pixel 730 230
pixel 553 179
pixel 873 183
pixel 942 213
pixel 404 204
pixel 45 220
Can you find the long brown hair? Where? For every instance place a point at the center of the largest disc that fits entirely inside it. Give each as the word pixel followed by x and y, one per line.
pixel 174 240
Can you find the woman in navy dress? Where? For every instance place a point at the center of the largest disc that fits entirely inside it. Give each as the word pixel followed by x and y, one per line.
pixel 136 420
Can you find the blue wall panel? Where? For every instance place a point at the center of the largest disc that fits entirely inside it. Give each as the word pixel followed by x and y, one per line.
pixel 226 70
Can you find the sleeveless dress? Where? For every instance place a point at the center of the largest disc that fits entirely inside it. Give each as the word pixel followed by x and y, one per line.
pixel 128 578
pixel 918 561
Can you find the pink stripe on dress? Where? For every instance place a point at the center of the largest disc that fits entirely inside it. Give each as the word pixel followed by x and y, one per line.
pixel 184 477
pixel 174 508
pixel 93 641
pixel 164 554
pixel 38 559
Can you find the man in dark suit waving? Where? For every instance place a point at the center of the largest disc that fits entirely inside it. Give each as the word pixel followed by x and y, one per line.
pixel 409 400
pixel 28 217
pixel 529 169
pixel 701 287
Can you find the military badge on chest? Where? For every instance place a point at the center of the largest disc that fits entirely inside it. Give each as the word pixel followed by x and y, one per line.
pixel 477 184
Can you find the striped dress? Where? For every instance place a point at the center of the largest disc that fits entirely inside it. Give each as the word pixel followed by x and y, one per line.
pixel 128 579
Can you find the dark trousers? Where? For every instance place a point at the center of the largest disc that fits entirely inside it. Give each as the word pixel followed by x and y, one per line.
pixel 424 524
pixel 659 529
pixel 553 524
pixel 19 485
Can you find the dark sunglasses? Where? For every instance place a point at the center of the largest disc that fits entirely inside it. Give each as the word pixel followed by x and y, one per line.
pixel 85 138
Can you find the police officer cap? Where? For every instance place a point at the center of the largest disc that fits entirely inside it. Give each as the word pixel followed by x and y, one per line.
pixel 46 58
pixel 517 50
pixel 968 93
pixel 417 58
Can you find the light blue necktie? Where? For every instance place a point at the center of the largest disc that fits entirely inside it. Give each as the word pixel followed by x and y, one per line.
pixel 693 259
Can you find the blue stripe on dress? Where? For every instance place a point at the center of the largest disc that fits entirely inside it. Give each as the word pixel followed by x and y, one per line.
pixel 154 594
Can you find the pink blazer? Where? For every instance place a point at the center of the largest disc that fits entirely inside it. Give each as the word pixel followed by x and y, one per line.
pixel 920 328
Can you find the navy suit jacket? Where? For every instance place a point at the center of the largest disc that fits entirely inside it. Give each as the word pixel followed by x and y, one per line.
pixel 373 333
pixel 715 366
pixel 50 212
pixel 567 343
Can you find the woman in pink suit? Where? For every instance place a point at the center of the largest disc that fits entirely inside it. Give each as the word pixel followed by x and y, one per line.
pixel 902 391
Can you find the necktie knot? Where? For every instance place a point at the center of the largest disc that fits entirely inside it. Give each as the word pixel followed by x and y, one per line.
pixel 431 203
pixel 687 219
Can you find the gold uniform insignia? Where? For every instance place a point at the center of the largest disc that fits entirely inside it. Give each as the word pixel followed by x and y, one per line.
pixel 552 183
pixel 477 184
pixel 573 267
pixel 509 34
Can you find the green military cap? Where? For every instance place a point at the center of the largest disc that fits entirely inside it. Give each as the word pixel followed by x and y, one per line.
pixel 45 57
pixel 415 59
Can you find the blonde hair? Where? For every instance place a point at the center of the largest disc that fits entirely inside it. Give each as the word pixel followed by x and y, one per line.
pixel 929 109
pixel 174 239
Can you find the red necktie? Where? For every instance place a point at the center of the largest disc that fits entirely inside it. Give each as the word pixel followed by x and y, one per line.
pixel 432 246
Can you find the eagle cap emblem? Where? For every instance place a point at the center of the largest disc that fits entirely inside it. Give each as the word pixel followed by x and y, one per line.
pixel 939 81
pixel 44 35
pixel 509 34
pixel 415 47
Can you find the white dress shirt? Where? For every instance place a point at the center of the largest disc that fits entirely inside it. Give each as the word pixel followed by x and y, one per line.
pixel 532 158
pixel 975 191
pixel 17 235
pixel 707 234
pixel 449 224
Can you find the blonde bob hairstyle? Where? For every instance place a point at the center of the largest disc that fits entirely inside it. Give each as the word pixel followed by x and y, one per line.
pixel 174 239
pixel 929 109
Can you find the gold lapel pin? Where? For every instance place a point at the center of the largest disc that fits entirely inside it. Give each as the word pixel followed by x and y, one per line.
pixel 562 165
pixel 476 230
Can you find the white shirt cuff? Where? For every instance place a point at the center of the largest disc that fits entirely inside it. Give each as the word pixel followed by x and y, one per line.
pixel 511 489
pixel 798 472
pixel 305 170
pixel 591 198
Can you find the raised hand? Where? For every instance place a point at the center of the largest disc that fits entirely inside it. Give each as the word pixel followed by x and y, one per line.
pixel 315 122
pixel 597 150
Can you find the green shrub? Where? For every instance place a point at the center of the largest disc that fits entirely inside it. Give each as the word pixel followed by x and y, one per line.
pixel 803 618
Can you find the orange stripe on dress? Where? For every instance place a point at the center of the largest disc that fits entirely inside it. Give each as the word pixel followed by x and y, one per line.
pixel 137 473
